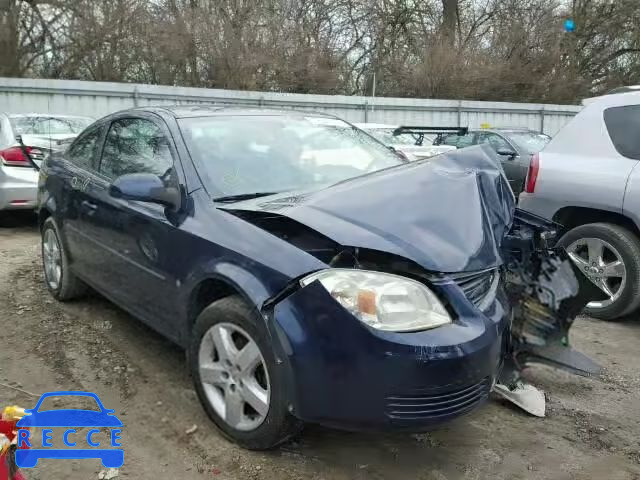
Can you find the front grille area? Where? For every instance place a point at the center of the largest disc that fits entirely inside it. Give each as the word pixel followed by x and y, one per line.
pixel 478 287
pixel 426 406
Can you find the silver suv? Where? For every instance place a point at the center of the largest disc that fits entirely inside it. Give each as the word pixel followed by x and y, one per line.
pixel 586 179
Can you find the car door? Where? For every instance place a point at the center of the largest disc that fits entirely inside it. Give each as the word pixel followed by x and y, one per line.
pixel 73 176
pixel 133 236
pixel 515 166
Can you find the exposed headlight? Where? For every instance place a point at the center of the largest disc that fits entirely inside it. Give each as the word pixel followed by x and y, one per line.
pixel 382 300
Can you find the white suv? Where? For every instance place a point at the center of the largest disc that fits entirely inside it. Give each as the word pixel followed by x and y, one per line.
pixel 586 179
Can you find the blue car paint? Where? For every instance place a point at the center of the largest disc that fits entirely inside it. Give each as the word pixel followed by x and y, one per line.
pixel 443 217
pixel 350 369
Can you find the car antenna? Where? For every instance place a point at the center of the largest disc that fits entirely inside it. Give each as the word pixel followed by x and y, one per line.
pixel 25 152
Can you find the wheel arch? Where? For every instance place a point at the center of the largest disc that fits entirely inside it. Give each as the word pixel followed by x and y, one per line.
pixel 205 292
pixel 571 217
pixel 226 280
pixel 45 211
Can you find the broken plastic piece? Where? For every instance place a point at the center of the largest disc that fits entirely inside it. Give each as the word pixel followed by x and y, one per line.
pixel 525 396
pixel 560 356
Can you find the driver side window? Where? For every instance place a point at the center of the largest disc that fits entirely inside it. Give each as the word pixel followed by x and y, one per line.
pixel 135 145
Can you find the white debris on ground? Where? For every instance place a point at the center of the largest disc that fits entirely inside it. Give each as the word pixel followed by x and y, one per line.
pixel 191 430
pixel 525 396
pixel 109 474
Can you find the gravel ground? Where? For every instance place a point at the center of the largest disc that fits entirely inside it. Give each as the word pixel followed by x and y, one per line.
pixel 592 429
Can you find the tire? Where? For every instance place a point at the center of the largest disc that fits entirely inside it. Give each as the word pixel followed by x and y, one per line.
pixel 628 246
pixel 68 287
pixel 278 425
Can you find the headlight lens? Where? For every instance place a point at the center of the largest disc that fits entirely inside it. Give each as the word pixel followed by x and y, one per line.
pixel 382 300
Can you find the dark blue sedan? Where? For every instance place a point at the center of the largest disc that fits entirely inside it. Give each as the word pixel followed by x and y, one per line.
pixel 311 274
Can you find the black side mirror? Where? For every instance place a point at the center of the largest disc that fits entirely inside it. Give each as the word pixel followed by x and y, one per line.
pixel 146 187
pixel 507 152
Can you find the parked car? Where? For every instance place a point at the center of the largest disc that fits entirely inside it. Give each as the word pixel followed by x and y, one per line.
pixel 39 134
pixel 359 294
pixel 586 178
pixel 413 142
pixel 515 146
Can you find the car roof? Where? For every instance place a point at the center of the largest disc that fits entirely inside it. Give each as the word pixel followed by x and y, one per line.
pixel 192 111
pixel 631 97
pixel 623 89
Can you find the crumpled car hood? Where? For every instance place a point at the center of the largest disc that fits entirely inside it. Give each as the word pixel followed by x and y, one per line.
pixel 447 215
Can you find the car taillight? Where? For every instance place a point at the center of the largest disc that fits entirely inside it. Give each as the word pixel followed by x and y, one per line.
pixel 15 157
pixel 532 174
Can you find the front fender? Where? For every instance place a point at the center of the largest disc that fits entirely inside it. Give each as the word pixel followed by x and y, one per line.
pixel 245 282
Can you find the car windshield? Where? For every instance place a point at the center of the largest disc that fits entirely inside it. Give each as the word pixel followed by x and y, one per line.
pixel 386 136
pixel 248 154
pixel 45 125
pixel 530 142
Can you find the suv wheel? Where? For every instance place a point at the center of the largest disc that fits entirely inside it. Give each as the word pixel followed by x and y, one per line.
pixel 609 255
pixel 236 376
pixel 58 277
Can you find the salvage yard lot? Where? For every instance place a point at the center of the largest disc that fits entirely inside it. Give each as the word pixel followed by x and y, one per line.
pixel 592 429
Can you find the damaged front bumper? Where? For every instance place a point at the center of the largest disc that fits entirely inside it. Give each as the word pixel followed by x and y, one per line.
pixel 345 374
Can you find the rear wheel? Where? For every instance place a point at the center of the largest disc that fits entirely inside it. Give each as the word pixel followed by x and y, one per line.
pixel 58 277
pixel 236 376
pixel 609 256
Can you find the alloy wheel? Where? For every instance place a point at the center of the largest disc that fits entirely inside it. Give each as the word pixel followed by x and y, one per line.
pixel 602 264
pixel 52 259
pixel 234 376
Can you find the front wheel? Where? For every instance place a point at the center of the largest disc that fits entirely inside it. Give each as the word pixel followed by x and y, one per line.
pixel 609 256
pixel 236 377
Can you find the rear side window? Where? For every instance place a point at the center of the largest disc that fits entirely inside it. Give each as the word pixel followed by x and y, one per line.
pixel 623 125
pixel 82 151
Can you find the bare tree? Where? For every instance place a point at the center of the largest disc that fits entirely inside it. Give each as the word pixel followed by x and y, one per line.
pixel 449 21
pixel 513 50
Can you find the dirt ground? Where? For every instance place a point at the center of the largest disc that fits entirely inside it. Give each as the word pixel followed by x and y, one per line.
pixel 592 429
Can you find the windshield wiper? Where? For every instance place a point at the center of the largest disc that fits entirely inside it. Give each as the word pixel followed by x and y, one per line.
pixel 243 196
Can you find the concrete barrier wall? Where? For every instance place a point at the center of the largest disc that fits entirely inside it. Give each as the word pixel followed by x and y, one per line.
pixel 18 95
